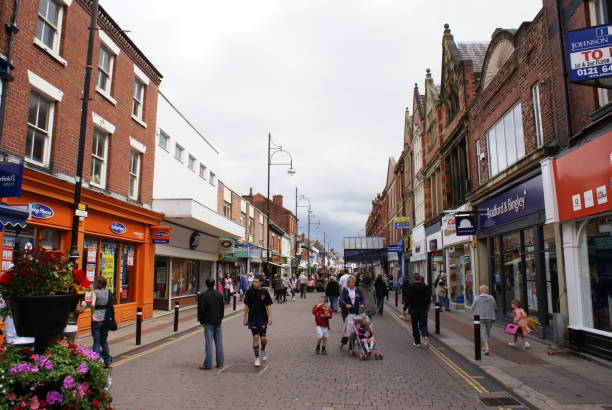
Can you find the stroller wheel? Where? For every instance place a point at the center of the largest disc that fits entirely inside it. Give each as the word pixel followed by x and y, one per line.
pixel 362 357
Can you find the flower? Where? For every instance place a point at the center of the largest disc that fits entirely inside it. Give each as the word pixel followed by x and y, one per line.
pixel 11 396
pixel 6 279
pixel 82 389
pixel 83 369
pixel 34 403
pixel 80 278
pixel 54 397
pixel 69 382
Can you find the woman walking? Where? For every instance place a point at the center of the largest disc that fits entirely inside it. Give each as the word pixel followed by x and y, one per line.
pixel 381 293
pixel 484 305
pixel 442 293
pixel 294 284
pixel 332 291
pixel 100 301
pixel 351 300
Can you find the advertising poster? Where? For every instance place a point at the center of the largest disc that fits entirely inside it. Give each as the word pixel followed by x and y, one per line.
pixel 91 255
pixel 107 267
pixel 90 271
pixel 7 258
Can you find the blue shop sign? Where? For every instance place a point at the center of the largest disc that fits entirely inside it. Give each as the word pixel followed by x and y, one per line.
pixel 398 247
pixel 118 228
pixel 401 225
pixel 11 177
pixel 522 200
pixel 465 224
pixel 41 211
pixel 589 54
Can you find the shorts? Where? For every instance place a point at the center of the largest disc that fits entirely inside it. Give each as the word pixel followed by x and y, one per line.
pixel 258 329
pixel 322 331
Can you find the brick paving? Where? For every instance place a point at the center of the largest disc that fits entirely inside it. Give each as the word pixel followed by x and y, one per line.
pixel 295 377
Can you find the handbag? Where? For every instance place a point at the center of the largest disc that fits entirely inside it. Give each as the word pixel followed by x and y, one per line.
pixel 511 328
pixel 109 317
pixel 406 316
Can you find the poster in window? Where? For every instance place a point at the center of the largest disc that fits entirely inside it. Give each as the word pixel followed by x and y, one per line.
pixel 130 258
pixel 90 270
pixel 91 255
pixel 7 258
pixel 107 264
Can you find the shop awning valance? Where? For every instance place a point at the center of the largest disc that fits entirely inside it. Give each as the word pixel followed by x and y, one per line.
pixel 13 215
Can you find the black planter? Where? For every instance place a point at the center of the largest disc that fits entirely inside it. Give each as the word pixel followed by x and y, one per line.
pixel 41 316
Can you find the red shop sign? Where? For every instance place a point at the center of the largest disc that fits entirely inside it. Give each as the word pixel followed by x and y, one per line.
pixel 583 179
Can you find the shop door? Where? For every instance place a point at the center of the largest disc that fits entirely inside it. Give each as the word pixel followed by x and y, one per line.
pixel 512 277
pixel 128 272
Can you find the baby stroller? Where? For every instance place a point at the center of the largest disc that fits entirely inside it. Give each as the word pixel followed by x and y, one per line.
pixel 362 336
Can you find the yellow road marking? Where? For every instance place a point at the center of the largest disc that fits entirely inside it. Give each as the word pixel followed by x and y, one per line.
pixel 161 346
pixel 470 380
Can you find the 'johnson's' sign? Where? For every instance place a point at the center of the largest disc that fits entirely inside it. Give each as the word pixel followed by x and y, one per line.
pixel 589 53
pixel 521 200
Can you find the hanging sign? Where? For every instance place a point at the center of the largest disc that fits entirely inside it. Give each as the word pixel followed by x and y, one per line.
pixel 589 54
pixel 160 234
pixel 226 245
pixel 465 224
pixel 11 177
pixel 194 240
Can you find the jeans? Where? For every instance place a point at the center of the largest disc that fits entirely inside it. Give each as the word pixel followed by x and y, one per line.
pixel 226 296
pixel 333 303
pixel 444 302
pixel 213 333
pixel 419 323
pixel 99 333
pixel 380 303
pixel 302 290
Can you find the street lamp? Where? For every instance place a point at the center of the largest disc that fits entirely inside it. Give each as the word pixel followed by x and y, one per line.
pixel 274 149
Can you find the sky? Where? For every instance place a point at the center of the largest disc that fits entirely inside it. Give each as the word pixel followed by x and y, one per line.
pixel 329 79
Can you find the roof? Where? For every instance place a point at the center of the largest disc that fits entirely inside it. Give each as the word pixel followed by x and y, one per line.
pixel 474 51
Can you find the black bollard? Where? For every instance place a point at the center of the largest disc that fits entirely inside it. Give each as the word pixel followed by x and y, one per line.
pixel 234 302
pixel 138 326
pixel 176 316
pixel 477 355
pixel 395 297
pixel 437 318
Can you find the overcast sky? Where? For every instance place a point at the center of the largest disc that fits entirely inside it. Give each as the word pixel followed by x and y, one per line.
pixel 330 79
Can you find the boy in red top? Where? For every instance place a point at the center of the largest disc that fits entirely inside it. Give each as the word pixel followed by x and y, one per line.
pixel 322 314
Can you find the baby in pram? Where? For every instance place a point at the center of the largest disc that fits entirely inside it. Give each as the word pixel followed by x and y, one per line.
pixel 365 335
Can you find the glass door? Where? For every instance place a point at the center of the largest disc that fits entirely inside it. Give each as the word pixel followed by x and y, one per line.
pixel 128 268
pixel 512 277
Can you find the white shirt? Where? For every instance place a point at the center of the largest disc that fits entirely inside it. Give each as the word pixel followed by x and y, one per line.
pixel 352 293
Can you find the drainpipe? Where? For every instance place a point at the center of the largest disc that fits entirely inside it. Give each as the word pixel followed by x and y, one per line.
pixel 561 32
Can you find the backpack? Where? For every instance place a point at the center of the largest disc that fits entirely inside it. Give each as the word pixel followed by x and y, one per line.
pixel 109 317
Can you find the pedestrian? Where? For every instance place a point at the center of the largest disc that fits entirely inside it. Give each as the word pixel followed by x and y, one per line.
pixel 369 294
pixel 101 298
pixel 258 316
pixel 228 288
pixel 519 317
pixel 351 299
pixel 343 279
pixel 381 293
pixel 332 291
pixel 286 287
pixel 484 305
pixel 210 315
pixel 417 302
pixel 322 314
pixel 294 285
pixel 244 285
pixel 71 329
pixel 442 294
pixel 310 284
pixel 277 285
pixel 303 280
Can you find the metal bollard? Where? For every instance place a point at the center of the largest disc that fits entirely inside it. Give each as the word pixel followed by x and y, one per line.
pixel 176 315
pixel 477 355
pixel 234 307
pixel 395 297
pixel 138 326
pixel 437 318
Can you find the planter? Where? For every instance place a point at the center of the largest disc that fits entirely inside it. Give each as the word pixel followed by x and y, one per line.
pixel 41 316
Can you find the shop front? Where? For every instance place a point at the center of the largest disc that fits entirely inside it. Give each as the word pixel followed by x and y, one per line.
pixel 521 250
pixel 458 258
pixel 435 254
pixel 582 181
pixel 418 259
pixel 114 239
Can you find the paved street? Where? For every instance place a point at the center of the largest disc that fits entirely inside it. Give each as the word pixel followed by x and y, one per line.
pixel 408 377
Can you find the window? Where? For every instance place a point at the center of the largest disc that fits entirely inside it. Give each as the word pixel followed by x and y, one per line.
pixel 243 218
pixel 227 209
pixel 457 174
pixel 49 24
pixel 164 139
pixel 178 152
pixel 138 99
pixel 419 206
pixel 478 170
pixel 38 140
pixel 135 158
pixel 418 151
pixel 106 62
pixel 202 171
pixel 251 229
pixel 261 233
pixel 537 114
pixel 212 178
pixel 506 141
pixel 99 151
pixel 191 163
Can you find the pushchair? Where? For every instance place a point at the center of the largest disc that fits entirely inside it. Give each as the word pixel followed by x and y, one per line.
pixel 367 346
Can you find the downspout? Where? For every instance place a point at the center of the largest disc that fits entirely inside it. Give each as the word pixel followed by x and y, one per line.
pixel 564 67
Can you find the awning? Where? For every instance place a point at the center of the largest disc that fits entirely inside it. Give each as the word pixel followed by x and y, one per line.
pixel 275 264
pixel 13 215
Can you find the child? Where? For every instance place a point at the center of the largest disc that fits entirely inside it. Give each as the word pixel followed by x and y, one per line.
pixel 365 334
pixel 519 316
pixel 322 314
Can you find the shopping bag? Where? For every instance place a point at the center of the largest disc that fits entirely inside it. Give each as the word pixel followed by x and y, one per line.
pixel 406 316
pixel 511 328
pixel 533 323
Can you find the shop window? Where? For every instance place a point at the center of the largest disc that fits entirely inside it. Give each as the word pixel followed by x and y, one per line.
pixel 128 273
pixel 90 257
pixel 456 273
pixel 469 275
pixel 161 278
pixel 506 141
pixel 99 158
pixel 17 239
pixel 108 263
pixel 134 188
pixel 40 125
pixel 537 114
pixel 184 277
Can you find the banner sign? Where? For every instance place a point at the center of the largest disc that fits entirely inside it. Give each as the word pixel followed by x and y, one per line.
pixel 589 54
pixel 465 224
pixel 401 225
pixel 226 245
pixel 160 234
pixel 395 248
pixel 11 177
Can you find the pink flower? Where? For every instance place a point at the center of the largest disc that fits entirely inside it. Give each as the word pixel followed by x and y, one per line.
pixel 54 397
pixel 69 382
pixel 11 397
pixel 83 369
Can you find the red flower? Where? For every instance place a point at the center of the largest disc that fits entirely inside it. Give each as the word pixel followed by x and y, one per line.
pixel 80 278
pixel 26 351
pixel 6 279
pixel 72 346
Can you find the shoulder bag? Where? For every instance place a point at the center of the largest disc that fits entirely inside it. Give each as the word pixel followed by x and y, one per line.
pixel 109 317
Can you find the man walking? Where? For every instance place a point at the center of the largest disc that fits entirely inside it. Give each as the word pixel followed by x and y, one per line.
pixel 210 314
pixel 258 316
pixel 417 300
pixel 303 280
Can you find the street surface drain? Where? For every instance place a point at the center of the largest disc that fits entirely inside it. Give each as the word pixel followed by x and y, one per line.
pixel 242 369
pixel 499 401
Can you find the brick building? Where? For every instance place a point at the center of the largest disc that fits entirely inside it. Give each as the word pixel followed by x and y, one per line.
pixel 41 129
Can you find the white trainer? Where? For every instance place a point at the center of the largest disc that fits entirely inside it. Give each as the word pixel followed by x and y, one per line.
pixel 512 343
pixel 527 345
pixel 257 362
pixel 425 341
pixel 264 357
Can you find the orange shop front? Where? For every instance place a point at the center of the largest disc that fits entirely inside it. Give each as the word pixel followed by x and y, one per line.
pixel 114 239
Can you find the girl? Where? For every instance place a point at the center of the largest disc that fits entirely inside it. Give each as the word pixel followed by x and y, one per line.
pixel 519 316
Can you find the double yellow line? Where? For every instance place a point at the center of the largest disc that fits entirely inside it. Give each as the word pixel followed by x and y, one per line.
pixel 444 359
pixel 168 343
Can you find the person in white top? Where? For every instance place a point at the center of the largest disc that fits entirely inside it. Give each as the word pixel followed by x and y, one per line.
pixel 12 338
pixel 344 279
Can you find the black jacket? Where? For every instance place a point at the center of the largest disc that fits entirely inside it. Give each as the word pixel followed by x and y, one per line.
pixel 417 296
pixel 381 289
pixel 210 307
pixel 333 289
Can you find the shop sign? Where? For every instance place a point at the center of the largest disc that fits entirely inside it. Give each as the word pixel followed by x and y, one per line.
pixel 449 227
pixel 401 222
pixel 41 211
pixel 465 224
pixel 583 179
pixel 589 52
pixel 240 244
pixel 118 228
pixel 392 256
pixel 194 240
pixel 226 245
pixel 160 234
pixel 241 252
pixel 522 200
pixel 11 177
pixel 398 247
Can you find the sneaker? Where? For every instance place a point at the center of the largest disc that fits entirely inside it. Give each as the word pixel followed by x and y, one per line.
pixel 416 344
pixel 204 367
pixel 257 362
pixel 324 352
pixel 318 350
pixel 526 345
pixel 511 344
pixel 263 356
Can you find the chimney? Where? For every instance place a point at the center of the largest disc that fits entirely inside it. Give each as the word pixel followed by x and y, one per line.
pixel 278 200
pixel 250 191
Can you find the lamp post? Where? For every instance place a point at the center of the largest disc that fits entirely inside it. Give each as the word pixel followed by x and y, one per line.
pixel 273 149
